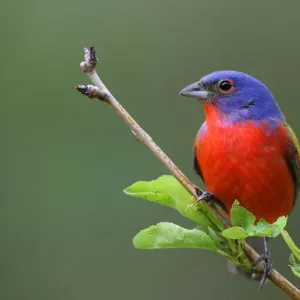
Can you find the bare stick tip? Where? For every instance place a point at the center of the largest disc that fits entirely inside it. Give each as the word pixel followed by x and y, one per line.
pixel 90 60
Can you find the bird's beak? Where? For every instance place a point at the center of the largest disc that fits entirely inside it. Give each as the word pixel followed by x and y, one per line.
pixel 194 90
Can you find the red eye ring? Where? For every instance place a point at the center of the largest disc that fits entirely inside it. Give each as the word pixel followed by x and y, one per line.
pixel 226 86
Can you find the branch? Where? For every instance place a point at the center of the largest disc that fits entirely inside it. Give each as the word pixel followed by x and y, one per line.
pixel 100 92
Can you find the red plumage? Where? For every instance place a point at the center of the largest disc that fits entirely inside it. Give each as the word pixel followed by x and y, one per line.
pixel 246 162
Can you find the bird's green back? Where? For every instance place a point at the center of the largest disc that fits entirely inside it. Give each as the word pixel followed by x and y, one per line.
pixel 293 158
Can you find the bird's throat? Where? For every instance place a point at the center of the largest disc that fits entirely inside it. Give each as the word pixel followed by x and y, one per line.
pixel 213 115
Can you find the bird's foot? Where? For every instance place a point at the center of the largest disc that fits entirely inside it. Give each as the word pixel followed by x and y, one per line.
pixel 204 196
pixel 209 198
pixel 266 257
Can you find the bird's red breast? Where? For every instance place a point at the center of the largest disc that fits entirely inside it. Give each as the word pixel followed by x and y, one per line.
pixel 246 162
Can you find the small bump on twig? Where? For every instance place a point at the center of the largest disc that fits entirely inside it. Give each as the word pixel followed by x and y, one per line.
pixel 92 91
pixel 136 136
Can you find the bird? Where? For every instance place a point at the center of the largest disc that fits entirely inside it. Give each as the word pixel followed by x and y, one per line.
pixel 245 149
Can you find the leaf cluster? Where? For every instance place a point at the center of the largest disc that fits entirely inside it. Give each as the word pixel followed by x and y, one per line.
pixel 210 233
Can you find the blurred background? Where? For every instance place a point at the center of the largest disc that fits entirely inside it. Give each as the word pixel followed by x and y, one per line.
pixel 66 227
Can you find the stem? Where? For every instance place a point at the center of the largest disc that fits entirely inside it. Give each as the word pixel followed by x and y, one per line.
pixel 100 92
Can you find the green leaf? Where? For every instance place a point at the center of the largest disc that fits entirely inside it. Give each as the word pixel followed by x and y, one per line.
pixel 166 190
pixel 292 259
pixel 296 270
pixel 168 235
pixel 262 229
pixel 235 233
pixel 291 244
pixel 217 238
pixel 241 217
pixel 271 230
pixel 295 267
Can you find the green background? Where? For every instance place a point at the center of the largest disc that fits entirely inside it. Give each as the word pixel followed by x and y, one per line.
pixel 66 227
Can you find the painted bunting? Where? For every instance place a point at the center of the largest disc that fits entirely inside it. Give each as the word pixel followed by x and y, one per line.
pixel 245 149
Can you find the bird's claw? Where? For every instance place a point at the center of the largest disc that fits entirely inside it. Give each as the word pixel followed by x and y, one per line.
pixel 205 196
pixel 209 198
pixel 267 268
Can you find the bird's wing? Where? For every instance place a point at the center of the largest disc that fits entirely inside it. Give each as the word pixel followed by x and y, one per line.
pixel 292 158
pixel 197 166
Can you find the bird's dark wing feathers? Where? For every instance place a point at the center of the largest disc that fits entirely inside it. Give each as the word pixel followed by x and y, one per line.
pixel 292 158
pixel 293 167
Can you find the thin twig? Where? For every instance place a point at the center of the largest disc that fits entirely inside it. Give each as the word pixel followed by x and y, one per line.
pixel 88 66
pixel 100 92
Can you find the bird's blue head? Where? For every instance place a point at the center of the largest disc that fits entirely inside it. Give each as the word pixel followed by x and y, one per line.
pixel 238 96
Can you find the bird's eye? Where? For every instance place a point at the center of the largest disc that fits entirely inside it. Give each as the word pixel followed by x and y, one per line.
pixel 226 86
